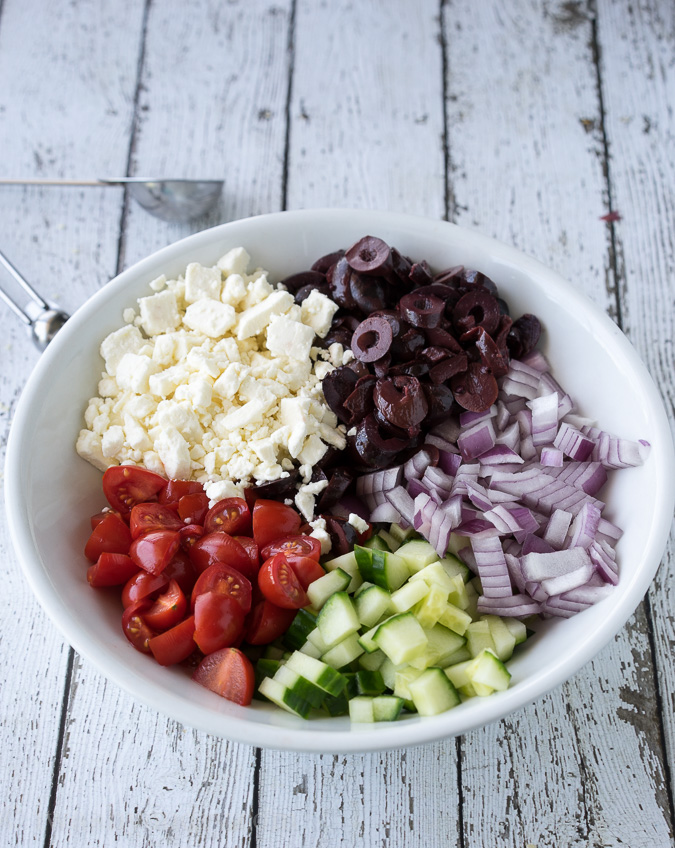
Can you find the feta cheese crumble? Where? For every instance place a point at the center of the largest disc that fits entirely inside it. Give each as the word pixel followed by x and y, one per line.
pixel 214 378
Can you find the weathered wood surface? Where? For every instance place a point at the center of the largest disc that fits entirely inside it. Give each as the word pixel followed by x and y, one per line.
pixel 526 120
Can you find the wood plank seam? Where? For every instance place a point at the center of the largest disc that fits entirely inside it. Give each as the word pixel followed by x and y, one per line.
pixel 290 48
pixel 448 199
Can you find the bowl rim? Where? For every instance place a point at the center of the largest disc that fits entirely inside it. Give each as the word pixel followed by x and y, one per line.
pixel 381 737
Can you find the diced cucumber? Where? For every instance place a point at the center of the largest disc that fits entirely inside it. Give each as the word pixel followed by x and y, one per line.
pixel 435 575
pixel 454 566
pixel 265 668
pixel 311 649
pixel 364 683
pixel 456 544
pixel 389 540
pixel 347 562
pixel 376 543
pixel 273 652
pixel 429 610
pixel 300 686
pixel 301 626
pixel 477 585
pixel 408 595
pixel 337 619
pixel 344 652
pixel 316 639
pixel 388 671
pixel 317 672
pixel 443 643
pixel 383 569
pixel 517 628
pixel 417 554
pixel 400 534
pixel 284 698
pixel 362 588
pixel 401 638
pixel 488 670
pixel 459 674
pixel 372 605
pixel 372 661
pixel 504 640
pixel 386 707
pixel 366 639
pixel 402 680
pixel 320 590
pixel 479 638
pixel 361 709
pixel 472 600
pixel 433 693
pixel 459 656
pixel 458 595
pixel 336 705
pixel 455 619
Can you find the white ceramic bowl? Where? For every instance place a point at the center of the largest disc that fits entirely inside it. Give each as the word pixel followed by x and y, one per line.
pixel 51 492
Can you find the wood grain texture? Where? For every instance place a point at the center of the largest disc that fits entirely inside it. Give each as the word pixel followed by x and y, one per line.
pixel 198 113
pixel 60 106
pixel 537 114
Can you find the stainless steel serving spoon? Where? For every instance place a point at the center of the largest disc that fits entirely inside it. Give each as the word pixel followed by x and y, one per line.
pixel 170 200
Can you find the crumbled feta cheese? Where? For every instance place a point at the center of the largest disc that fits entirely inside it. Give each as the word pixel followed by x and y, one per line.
pixel 286 337
pixel 256 318
pixel 317 311
pixel 113 347
pixel 235 261
pixel 201 282
pixel 319 532
pixel 159 313
pixel 212 318
pixel 357 522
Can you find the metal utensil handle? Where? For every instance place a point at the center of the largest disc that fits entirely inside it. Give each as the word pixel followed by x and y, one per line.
pixel 35 297
pixel 55 182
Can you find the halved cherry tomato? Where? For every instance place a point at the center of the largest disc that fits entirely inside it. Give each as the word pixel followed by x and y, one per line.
pixel 226 581
pixel 219 621
pixel 303 546
pixel 110 536
pixel 148 517
pixel 193 508
pixel 268 622
pixel 273 520
pixel 111 570
pixel 219 547
pixel 142 585
pixel 127 485
pixel 176 489
pixel 231 515
pixel 189 535
pixel 168 609
pixel 307 569
pixel 154 551
pixel 251 549
pixel 135 628
pixel 174 645
pixel 228 673
pixel 182 570
pixel 280 585
pixel 95 520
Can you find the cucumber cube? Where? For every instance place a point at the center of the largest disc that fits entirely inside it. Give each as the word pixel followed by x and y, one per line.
pixel 284 698
pixel 458 595
pixel 402 681
pixel 455 619
pixel 337 619
pixel 459 674
pixel 344 652
pixel 389 540
pixel 417 554
pixel 387 707
pixel 504 640
pixel 372 605
pixel 488 670
pixel 454 566
pixel 317 672
pixel 320 590
pixel 296 635
pixel 429 610
pixel 517 628
pixel 384 569
pixel 366 639
pixel 432 692
pixel 347 562
pixel 408 595
pixel 400 534
pixel 300 686
pixel 401 638
pixel 311 650
pixel 479 638
pixel 435 575
pixel 372 661
pixel 364 683
pixel 361 709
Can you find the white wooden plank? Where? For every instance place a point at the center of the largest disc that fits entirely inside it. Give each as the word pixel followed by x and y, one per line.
pixel 191 786
pixel 60 242
pixel 639 80
pixel 366 131
pixel 526 149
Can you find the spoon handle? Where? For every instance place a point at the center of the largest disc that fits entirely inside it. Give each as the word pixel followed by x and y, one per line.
pixel 56 182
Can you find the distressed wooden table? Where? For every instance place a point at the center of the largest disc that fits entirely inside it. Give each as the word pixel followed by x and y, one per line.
pixel 528 120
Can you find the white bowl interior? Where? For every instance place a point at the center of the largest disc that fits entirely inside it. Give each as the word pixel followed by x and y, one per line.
pixel 51 492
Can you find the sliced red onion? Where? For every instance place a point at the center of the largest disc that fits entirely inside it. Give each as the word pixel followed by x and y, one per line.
pixel 557 527
pixel 573 443
pixel 467 556
pixel 385 513
pixel 478 496
pixel 440 443
pixel 403 503
pixel 421 513
pixel 551 457
pixel 565 403
pixel 536 359
pixel 476 441
pixel 435 479
pixel 503 416
pixel 535 544
pixel 602 557
pixel 492 568
pixel 473 527
pixel 524 419
pixel 449 462
pixel 417 465
pixel 570 580
pixel 514 405
pixel 500 455
pixel 614 452
pixel 527 448
pixel 416 487
pixel 515 520
pixel 587 594
pixel 466 471
pixel 515 606
pixel 446 517
pixel 544 418
pixel 468 419
pixel 510 438
pixel 539 567
pixel 585 526
pixel 610 532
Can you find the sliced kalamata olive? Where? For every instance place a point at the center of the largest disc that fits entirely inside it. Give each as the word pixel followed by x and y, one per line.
pixel 474 279
pixel 303 293
pixel 338 482
pixel 488 350
pixel 442 338
pixel 372 448
pixel 274 490
pixel 342 534
pixel 324 263
pixel 393 317
pixel 415 368
pixel 422 310
pixel 503 306
pixel 306 278
pixel 372 339
pixel 434 354
pixel 524 335
pixel 477 308
pixel 338 278
pixel 368 293
pixel 337 386
pixel 476 389
pixel 360 402
pixel 454 364
pixel 359 368
pixel 420 274
pixel 370 256
pixel 381 366
pixel 408 344
pixel 451 276
pixel 341 335
pixel 401 266
pixel 440 399
pixel 501 335
pixel 401 401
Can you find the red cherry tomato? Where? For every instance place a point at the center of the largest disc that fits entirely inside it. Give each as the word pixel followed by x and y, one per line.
pixel 219 621
pixel 302 546
pixel 251 549
pixel 142 585
pixel 306 569
pixel 280 585
pixel 95 520
pixel 268 622
pixel 176 489
pixel 228 673
pixel 127 485
pixel 154 551
pixel 192 508
pixel 220 548
pixel 149 517
pixel 273 520
pixel 110 536
pixel 135 628
pixel 226 581
pixel 231 515
pixel 189 535
pixel 168 609
pixel 174 645
pixel 111 570
pixel 182 570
